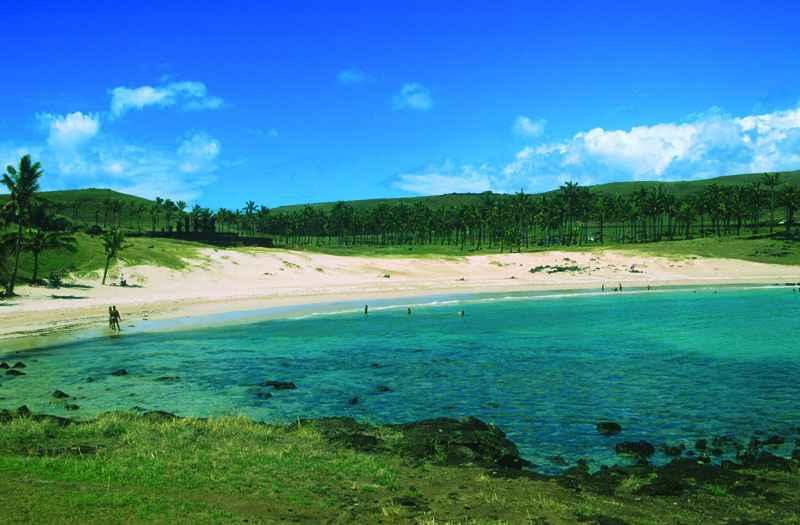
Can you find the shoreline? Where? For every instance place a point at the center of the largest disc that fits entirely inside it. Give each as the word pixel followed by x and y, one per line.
pixel 255 285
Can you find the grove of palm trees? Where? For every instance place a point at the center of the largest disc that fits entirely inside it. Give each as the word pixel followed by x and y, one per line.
pixel 39 223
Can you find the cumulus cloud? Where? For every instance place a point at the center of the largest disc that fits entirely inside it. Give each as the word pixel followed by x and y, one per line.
pixel 527 127
pixel 705 145
pixel 70 130
pixel 446 178
pixel 352 76
pixel 190 96
pixel 181 172
pixel 710 144
pixel 413 96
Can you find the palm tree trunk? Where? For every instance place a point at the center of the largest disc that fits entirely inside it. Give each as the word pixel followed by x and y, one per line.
pixel 105 271
pixel 13 280
pixel 35 267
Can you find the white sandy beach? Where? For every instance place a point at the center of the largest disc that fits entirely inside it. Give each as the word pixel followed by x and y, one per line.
pixel 234 280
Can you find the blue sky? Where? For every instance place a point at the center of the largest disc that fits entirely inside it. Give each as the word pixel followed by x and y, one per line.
pixel 317 101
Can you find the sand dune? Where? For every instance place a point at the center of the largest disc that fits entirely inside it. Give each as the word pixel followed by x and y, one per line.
pixel 232 280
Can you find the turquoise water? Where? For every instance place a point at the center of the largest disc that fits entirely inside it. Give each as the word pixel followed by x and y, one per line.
pixel 670 366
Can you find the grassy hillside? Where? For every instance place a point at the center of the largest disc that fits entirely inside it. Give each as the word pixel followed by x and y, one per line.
pixel 678 188
pixel 90 257
pixel 88 206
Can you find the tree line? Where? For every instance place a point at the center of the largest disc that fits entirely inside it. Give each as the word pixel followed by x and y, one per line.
pixel 570 215
pixel 31 224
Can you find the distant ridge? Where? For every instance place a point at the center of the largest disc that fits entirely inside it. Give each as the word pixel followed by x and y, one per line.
pixel 678 188
pixel 91 199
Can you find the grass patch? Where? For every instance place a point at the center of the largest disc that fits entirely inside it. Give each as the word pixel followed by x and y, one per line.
pixel 90 257
pixel 771 250
pixel 232 469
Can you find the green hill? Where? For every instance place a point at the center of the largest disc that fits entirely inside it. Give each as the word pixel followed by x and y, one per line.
pixel 91 205
pixel 678 188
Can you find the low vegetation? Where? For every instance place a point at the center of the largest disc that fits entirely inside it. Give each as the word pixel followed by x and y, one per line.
pixel 124 468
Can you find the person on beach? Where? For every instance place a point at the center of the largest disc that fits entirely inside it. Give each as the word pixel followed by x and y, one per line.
pixel 603 287
pixel 111 317
pixel 115 318
pixel 620 287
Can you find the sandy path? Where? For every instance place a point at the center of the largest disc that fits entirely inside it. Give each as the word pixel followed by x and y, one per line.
pixel 232 280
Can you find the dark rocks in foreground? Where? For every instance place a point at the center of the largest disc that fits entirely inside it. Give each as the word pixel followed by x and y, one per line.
pixel 58 394
pixel 774 441
pixel 609 428
pixel 24 412
pixel 4 365
pixel 14 372
pixel 280 385
pixel 445 441
pixel 673 450
pixel 641 449
pixel 159 415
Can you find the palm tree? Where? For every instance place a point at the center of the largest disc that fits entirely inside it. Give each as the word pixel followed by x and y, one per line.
pixel 771 181
pixel 249 211
pixel 23 183
pixel 113 243
pixel 40 240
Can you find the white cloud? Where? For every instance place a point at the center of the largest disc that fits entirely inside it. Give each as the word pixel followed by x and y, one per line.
pixel 71 130
pixel 707 145
pixel 710 144
pixel 191 96
pixel 197 153
pixel 413 96
pixel 527 127
pixel 352 76
pixel 446 178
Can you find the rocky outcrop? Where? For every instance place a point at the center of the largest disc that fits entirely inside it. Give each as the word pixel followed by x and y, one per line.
pixel 280 385
pixel 640 449
pixel 609 428
pixel 444 441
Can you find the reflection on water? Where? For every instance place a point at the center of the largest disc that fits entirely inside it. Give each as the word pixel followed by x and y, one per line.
pixel 669 366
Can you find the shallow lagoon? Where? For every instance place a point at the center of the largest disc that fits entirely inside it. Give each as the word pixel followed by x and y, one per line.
pixel 669 365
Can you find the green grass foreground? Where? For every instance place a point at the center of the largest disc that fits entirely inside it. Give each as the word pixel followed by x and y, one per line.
pixel 124 468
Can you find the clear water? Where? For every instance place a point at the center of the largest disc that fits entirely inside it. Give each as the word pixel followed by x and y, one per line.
pixel 670 366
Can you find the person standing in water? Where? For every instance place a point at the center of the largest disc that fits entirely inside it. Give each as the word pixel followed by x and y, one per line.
pixel 115 318
pixel 461 313
pixel 409 310
pixel 111 317
pixel 366 309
